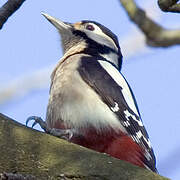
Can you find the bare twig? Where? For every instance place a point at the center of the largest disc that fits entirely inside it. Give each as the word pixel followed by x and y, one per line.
pixel 156 35
pixel 169 5
pixel 135 42
pixel 8 9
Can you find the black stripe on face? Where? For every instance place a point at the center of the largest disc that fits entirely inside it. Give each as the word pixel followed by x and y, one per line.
pixel 105 30
pixel 103 49
pixel 96 49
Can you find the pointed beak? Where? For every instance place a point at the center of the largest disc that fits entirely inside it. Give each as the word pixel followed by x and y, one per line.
pixel 60 25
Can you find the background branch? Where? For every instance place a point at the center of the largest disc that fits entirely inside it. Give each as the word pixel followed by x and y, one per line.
pixel 169 5
pixel 156 35
pixel 8 9
pixel 29 152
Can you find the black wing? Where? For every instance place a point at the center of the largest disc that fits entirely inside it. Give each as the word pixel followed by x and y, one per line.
pixel 96 76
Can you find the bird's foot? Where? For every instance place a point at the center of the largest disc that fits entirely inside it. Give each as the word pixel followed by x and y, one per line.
pixel 66 134
pixel 38 120
pixel 61 133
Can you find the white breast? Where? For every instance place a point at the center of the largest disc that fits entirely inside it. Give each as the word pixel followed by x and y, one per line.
pixel 75 102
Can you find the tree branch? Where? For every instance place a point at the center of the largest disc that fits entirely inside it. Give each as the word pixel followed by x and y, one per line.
pixel 30 153
pixel 8 9
pixel 169 5
pixel 156 35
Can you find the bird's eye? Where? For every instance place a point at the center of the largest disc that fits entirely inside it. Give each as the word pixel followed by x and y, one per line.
pixel 90 27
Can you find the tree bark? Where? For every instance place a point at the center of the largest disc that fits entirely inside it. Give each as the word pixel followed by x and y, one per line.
pixel 169 6
pixel 156 35
pixel 31 153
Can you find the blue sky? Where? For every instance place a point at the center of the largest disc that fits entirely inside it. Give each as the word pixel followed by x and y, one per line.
pixel 29 44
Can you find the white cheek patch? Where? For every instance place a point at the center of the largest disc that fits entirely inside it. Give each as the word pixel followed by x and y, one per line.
pixel 99 36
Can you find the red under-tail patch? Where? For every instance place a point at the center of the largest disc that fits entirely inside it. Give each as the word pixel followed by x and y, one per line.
pixel 115 144
pixel 126 149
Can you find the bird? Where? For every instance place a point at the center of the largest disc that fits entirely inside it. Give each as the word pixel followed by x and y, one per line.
pixel 91 103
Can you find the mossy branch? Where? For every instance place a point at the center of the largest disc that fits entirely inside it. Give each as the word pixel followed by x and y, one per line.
pixel 31 153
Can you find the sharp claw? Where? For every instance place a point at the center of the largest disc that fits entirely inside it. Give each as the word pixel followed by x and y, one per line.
pixel 29 119
pixel 34 124
pixel 70 134
pixel 35 118
pixel 66 134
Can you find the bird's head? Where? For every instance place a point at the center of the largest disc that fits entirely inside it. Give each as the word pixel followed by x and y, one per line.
pixel 89 37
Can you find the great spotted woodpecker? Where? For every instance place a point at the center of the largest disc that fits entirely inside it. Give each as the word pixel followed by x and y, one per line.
pixel 90 100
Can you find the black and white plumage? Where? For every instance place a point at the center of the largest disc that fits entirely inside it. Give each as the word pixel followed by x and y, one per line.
pixel 90 96
pixel 115 92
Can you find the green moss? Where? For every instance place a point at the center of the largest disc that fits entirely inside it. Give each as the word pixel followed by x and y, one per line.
pixel 27 151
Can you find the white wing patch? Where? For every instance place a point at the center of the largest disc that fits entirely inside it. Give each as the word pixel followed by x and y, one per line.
pixel 128 114
pixel 139 135
pixel 126 123
pixel 115 108
pixel 119 79
pixel 147 155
